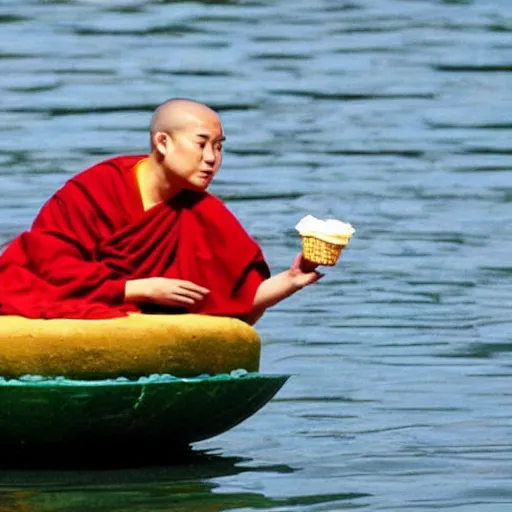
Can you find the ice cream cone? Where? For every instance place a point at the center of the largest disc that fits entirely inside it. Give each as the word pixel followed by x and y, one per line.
pixel 323 241
pixel 319 251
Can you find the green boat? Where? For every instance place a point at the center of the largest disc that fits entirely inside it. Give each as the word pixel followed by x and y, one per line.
pixel 59 420
pixel 108 400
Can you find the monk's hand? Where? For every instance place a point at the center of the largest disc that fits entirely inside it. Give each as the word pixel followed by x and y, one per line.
pixel 303 272
pixel 164 291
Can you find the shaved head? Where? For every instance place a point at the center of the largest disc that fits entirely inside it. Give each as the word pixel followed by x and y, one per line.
pixel 178 113
pixel 186 146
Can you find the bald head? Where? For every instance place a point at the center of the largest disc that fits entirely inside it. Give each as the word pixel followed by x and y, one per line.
pixel 178 113
pixel 186 147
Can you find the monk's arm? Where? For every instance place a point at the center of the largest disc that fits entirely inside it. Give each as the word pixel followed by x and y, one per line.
pixel 277 288
pixel 165 291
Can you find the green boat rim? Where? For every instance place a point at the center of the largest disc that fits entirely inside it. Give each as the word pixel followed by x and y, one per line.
pixel 156 378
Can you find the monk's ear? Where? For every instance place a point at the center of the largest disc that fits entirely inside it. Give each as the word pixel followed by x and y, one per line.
pixel 162 142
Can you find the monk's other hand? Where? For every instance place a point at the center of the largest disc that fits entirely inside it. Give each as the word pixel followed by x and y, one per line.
pixel 165 291
pixel 303 272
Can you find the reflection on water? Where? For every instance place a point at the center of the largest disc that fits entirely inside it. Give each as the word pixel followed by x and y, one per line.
pixel 393 115
pixel 183 486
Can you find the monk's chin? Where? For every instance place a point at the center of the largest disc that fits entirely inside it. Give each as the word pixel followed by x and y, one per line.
pixel 198 187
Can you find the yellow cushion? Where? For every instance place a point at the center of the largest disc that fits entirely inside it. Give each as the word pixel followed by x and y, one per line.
pixel 182 345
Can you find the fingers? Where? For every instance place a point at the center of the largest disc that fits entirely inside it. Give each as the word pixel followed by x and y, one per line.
pixel 302 264
pixel 194 288
pixel 312 277
pixel 191 291
pixel 307 266
pixel 297 261
pixel 183 293
pixel 318 275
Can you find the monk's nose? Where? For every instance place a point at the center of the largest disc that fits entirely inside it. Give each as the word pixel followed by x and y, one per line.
pixel 209 154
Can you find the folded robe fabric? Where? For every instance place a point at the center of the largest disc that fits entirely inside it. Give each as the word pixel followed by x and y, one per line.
pixel 93 235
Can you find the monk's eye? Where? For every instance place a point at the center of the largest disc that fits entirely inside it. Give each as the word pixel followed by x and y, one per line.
pixel 201 144
pixel 218 146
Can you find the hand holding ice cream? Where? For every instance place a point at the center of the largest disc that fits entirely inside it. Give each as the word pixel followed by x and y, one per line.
pixel 323 240
pixel 322 243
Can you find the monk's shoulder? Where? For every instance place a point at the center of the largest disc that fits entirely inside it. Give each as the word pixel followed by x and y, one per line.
pixel 215 204
pixel 110 171
pixel 214 201
pixel 215 211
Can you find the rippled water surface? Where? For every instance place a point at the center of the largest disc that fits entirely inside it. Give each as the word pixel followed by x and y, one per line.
pixel 393 115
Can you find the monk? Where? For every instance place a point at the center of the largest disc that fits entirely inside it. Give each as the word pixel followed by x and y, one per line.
pixel 140 233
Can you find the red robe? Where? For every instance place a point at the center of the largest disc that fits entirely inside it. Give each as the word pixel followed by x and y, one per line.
pixel 93 235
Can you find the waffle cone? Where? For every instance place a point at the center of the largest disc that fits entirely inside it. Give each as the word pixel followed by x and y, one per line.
pixel 319 251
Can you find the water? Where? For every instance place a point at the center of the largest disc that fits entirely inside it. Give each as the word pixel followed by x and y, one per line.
pixel 393 115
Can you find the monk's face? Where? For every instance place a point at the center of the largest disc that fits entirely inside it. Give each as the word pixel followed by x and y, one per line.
pixel 195 152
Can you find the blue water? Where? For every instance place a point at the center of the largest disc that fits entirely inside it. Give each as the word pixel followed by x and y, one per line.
pixel 393 115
